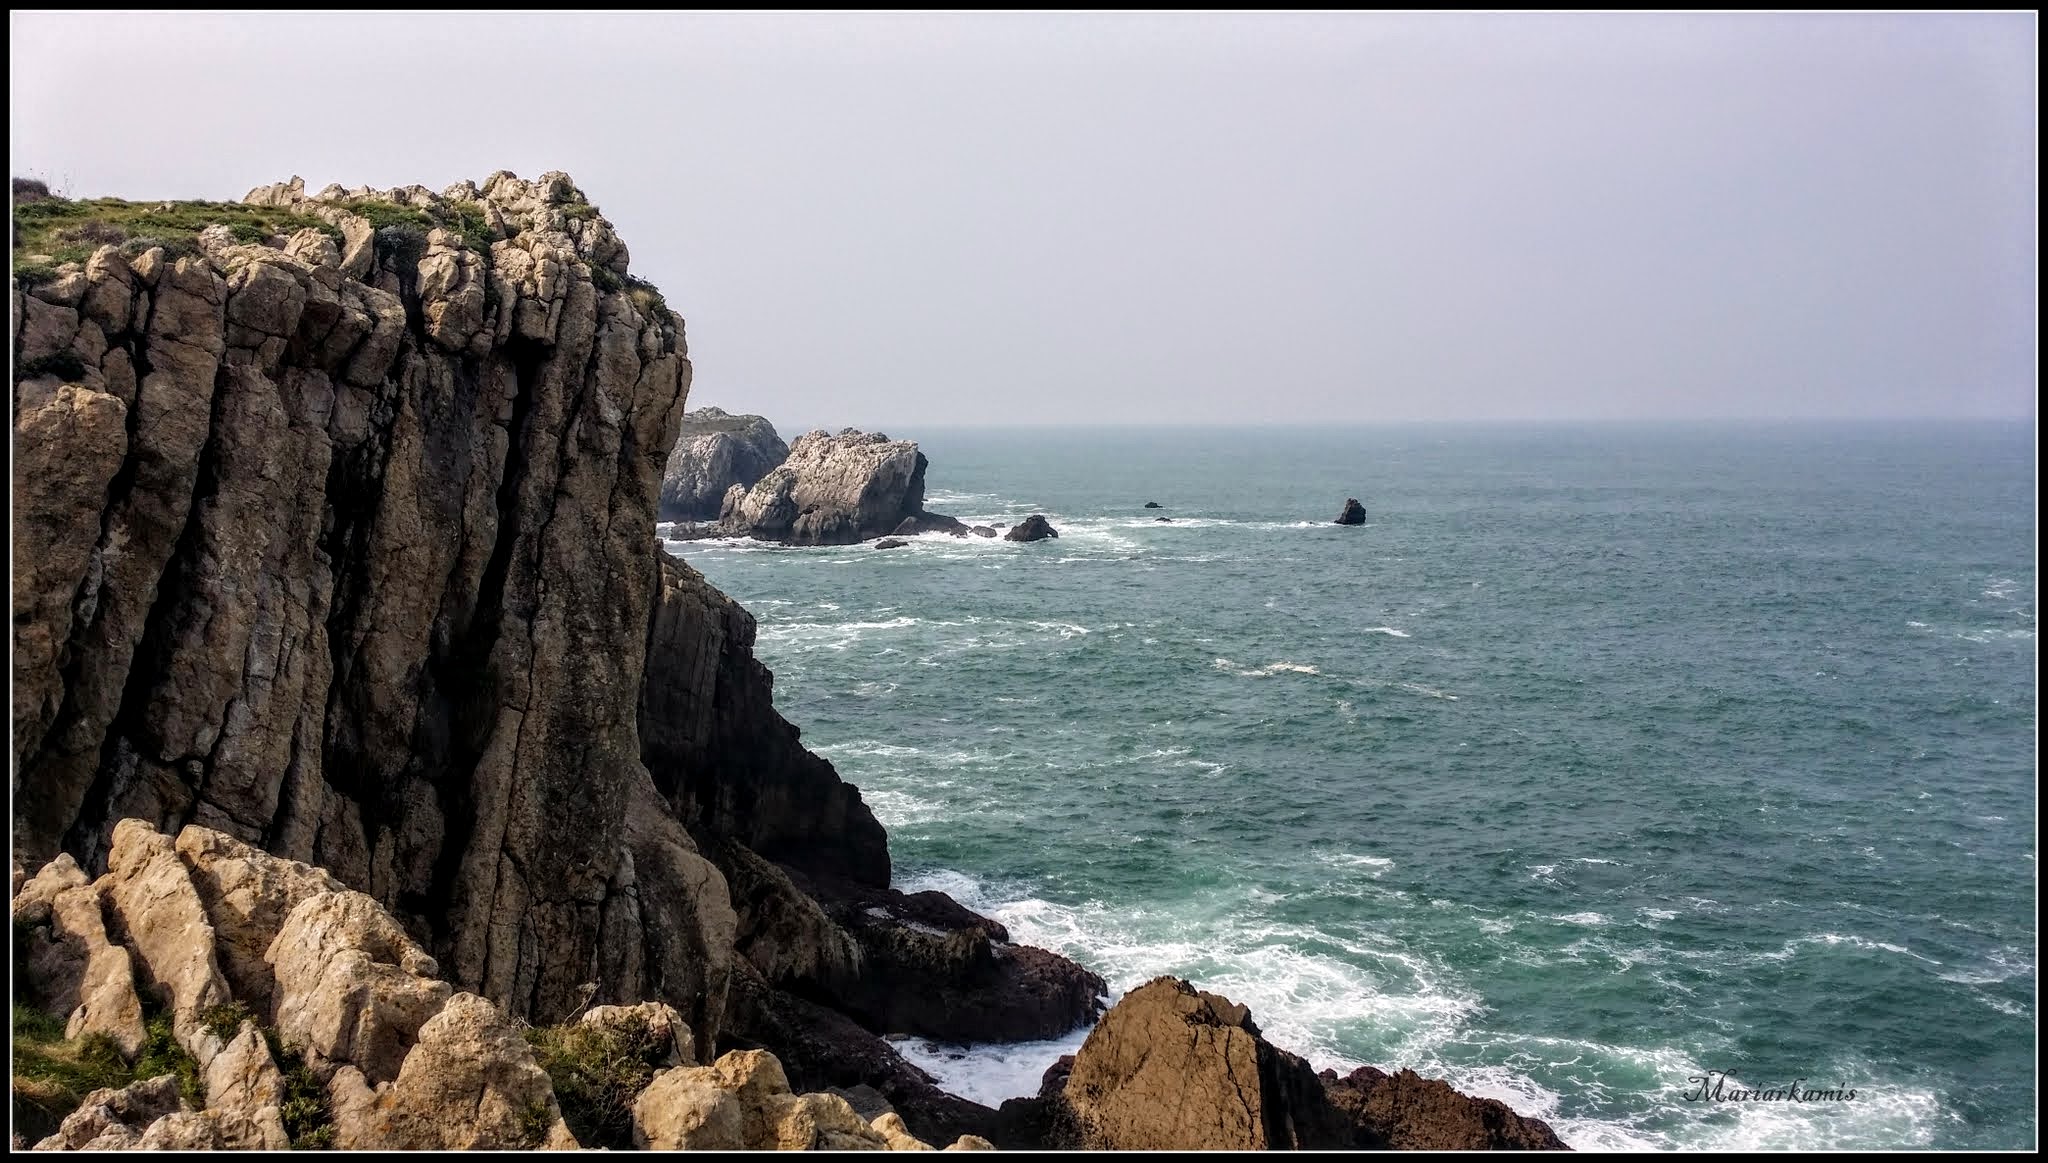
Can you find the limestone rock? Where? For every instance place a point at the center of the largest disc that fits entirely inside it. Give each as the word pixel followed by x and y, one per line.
pixel 350 986
pixel 654 1021
pixel 244 1091
pixel 121 1115
pixel 687 1110
pixel 1032 528
pixel 897 1136
pixel 971 1143
pixel 1353 514
pixel 248 894
pixel 160 917
pixel 833 490
pixel 469 1059
pixel 716 452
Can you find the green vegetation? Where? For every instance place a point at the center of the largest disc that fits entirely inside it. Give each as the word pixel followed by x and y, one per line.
pixel 597 1072
pixel 465 218
pixel 69 230
pixel 308 1122
pixel 606 281
pixel 52 1074
pixel 65 365
pixel 225 1021
pixel 161 1054
pixel 647 297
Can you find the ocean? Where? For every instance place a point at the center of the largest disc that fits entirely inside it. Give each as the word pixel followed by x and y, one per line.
pixel 1601 757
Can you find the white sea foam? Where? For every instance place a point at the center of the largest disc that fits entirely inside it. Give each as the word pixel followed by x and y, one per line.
pixel 1309 1001
pixel 1581 919
pixel 1389 631
pixel 1266 671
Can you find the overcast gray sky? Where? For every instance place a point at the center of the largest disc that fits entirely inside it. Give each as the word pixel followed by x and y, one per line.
pixel 899 220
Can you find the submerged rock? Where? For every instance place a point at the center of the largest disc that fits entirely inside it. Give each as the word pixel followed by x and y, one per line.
pixel 1032 528
pixel 1154 505
pixel 715 451
pixel 1169 520
pixel 891 543
pixel 1353 514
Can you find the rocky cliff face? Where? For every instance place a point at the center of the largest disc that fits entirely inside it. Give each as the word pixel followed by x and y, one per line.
pixel 345 550
pixel 836 490
pixel 716 451
pixel 340 543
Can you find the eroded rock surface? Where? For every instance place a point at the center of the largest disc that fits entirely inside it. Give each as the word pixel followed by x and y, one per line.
pixel 714 452
pixel 836 490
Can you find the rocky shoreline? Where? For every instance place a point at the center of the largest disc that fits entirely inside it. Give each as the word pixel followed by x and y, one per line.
pixel 365 750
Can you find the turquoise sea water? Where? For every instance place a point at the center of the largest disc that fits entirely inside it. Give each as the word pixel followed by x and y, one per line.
pixel 1600 757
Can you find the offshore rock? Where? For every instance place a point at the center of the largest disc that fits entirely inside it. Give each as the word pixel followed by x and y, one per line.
pixel 1353 514
pixel 891 543
pixel 715 451
pixel 835 490
pixel 1032 528
pixel 1173 1068
pixel 982 531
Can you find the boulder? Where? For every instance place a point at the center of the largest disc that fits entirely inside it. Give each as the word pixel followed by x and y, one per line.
pixel 982 531
pixel 1404 1111
pixel 469 1084
pixel 1173 1068
pixel 351 987
pixel 1154 505
pixel 650 1022
pixel 1353 514
pixel 1032 528
pixel 716 451
pixel 835 490
pixel 891 543
pixel 114 1119
pixel 918 523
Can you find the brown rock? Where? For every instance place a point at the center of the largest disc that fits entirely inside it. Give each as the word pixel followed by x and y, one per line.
pixel 1404 1111
pixel 247 894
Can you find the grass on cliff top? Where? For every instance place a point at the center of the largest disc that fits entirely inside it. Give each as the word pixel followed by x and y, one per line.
pixel 53 231
pixel 597 1073
pixel 68 230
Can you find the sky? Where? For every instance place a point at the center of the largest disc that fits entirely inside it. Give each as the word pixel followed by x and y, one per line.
pixel 902 220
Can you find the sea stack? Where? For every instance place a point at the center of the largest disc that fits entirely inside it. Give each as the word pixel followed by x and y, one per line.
pixel 1032 528
pixel 836 490
pixel 716 451
pixel 1353 514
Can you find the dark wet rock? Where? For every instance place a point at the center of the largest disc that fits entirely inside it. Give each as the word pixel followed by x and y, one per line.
pixel 1032 528
pixel 715 451
pixel 1154 505
pixel 891 543
pixel 1353 514
pixel 930 523
pixel 982 531
pixel 1168 520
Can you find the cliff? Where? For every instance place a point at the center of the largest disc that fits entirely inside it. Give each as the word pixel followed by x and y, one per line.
pixel 715 451
pixel 335 561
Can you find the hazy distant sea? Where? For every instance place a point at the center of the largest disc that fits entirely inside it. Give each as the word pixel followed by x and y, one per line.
pixel 1601 757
